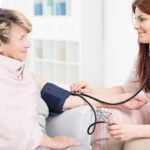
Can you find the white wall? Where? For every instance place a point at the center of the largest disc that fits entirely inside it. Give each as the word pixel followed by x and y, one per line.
pixel 120 42
pixel 92 42
pixel 26 7
pixel 107 30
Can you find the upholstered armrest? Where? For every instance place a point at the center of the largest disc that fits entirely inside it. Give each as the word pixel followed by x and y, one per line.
pixel 73 122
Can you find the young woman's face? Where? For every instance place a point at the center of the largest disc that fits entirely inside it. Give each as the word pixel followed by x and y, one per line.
pixel 142 26
pixel 19 43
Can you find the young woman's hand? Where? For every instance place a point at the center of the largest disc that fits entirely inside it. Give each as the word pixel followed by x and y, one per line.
pixel 59 142
pixel 81 86
pixel 123 132
pixel 136 103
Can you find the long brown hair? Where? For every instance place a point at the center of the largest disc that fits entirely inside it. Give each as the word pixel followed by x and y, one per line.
pixel 143 64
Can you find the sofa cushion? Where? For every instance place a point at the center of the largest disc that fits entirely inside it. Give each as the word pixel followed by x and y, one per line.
pixel 73 122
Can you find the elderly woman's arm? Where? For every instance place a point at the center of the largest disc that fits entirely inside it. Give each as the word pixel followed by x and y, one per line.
pixel 59 99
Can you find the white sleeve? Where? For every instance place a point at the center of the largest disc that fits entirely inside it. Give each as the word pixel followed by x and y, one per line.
pixel 132 85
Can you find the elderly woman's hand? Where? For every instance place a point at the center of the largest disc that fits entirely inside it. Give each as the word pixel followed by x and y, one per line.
pixel 59 142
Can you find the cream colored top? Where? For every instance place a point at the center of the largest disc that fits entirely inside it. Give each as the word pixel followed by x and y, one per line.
pixel 19 129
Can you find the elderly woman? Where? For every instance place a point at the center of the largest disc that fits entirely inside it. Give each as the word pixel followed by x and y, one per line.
pixel 19 129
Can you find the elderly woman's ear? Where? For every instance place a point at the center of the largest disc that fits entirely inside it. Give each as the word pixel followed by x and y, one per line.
pixel 1 46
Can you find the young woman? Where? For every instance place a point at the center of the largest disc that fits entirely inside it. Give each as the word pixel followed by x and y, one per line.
pixel 136 137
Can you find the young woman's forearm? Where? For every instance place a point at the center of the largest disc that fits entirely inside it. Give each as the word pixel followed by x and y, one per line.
pixel 143 131
pixel 112 90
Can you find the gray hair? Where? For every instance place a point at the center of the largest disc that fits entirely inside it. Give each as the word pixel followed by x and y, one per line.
pixel 8 18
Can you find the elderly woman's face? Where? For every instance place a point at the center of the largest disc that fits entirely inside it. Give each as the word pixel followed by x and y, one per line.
pixel 19 43
pixel 142 26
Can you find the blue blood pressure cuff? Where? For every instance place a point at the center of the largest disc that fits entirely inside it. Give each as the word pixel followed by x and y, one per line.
pixel 54 97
